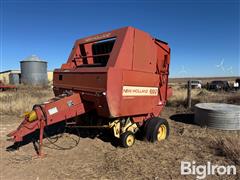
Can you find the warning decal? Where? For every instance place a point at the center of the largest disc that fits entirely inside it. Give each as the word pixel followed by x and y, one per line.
pixel 53 111
pixel 139 91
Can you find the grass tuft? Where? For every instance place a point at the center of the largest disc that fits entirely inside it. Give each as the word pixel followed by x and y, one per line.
pixel 228 147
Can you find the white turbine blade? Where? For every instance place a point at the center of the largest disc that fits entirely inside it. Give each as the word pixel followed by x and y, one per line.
pixel 230 69
pixel 222 62
pixel 222 68
pixel 182 71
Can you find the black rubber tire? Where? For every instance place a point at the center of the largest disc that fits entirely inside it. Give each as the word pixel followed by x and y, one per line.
pixel 124 138
pixel 151 128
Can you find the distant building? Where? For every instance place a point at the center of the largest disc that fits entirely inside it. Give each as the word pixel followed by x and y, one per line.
pixel 50 76
pixel 5 76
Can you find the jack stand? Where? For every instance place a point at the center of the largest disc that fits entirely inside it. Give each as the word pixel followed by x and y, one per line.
pixel 39 150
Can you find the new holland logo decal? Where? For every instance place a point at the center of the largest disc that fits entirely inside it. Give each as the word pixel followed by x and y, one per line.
pixel 139 91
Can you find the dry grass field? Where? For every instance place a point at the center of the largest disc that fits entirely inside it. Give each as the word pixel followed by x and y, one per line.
pixel 16 103
pixel 201 95
pixel 101 158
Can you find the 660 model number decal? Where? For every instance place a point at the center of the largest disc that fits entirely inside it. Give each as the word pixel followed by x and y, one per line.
pixel 139 91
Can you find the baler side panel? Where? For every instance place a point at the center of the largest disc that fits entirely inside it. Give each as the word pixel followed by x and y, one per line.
pixel 124 57
pixel 163 60
pixel 85 81
pixel 114 91
pixel 144 58
pixel 139 103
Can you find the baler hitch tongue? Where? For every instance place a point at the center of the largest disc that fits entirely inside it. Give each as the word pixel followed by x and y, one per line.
pixel 52 112
pixel 26 127
pixel 11 136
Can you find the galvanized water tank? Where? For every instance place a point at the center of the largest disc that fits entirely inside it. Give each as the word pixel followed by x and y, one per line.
pixel 14 78
pixel 34 71
pixel 218 116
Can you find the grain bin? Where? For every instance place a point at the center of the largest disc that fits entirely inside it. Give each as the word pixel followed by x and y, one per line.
pixel 14 78
pixel 34 71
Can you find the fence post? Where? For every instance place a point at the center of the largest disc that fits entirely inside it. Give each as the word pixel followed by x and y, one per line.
pixel 189 100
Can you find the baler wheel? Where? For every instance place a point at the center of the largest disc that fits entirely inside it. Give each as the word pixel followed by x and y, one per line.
pixel 156 129
pixel 127 139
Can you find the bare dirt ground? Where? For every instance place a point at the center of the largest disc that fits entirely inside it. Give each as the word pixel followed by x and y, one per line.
pixel 100 158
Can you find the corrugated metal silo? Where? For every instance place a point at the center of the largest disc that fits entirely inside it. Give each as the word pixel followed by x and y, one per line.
pixel 34 71
pixel 14 78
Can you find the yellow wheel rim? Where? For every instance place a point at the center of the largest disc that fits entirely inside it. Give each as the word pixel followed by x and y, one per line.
pixel 130 140
pixel 162 132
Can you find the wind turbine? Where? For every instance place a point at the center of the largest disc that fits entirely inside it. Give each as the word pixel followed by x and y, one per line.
pixel 220 66
pixel 230 69
pixel 182 71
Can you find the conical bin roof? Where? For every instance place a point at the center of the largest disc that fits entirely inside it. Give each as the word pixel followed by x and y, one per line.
pixel 33 58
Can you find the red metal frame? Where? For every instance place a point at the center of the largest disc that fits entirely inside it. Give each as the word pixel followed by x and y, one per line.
pixel 4 87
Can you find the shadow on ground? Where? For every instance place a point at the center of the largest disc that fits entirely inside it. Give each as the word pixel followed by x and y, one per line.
pixel 187 118
pixel 54 132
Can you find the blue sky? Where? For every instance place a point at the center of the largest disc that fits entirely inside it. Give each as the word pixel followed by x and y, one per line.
pixel 201 33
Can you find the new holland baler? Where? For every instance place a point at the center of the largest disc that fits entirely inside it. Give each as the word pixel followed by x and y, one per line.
pixel 118 78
